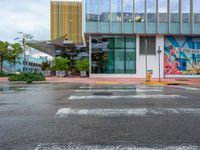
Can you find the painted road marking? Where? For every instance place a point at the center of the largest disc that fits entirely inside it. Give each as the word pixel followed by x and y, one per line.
pixel 64 112
pixel 76 146
pixel 122 87
pixel 119 90
pixel 186 88
pixel 126 97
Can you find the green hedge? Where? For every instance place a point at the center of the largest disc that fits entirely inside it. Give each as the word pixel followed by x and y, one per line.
pixel 5 74
pixel 27 77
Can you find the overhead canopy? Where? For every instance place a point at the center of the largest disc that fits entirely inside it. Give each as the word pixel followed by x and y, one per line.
pixel 48 47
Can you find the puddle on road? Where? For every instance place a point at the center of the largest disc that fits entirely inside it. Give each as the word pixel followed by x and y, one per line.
pixel 11 89
pixel 102 93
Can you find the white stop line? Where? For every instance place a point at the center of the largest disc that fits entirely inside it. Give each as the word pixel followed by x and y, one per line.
pixel 65 112
pixel 118 147
pixel 119 90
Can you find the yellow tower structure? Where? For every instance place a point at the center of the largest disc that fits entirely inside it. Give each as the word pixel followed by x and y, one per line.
pixel 66 19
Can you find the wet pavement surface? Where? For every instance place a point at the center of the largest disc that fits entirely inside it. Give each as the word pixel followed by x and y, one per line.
pixel 81 116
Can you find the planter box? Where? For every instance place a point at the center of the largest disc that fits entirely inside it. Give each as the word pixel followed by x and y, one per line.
pixel 60 73
pixel 47 73
pixel 83 74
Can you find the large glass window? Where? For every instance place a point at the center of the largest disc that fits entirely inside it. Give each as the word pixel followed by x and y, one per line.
pixel 174 11
pixel 185 11
pixel 196 9
pixel 139 10
pixel 130 55
pixel 91 11
pixel 162 9
pixel 119 61
pixel 113 55
pixel 104 10
pixel 116 10
pixel 151 10
pixel 151 45
pixel 128 10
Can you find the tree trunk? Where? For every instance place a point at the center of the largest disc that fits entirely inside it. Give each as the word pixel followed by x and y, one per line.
pixel 1 68
pixel 15 66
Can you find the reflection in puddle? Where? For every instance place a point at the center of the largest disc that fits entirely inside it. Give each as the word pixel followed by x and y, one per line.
pixel 11 89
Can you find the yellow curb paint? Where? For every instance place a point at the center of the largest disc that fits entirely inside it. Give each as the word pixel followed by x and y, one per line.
pixel 155 83
pixel 107 83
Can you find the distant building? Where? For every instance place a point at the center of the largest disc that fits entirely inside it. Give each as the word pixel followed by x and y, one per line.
pixel 33 64
pixel 66 31
pixel 116 32
pixel 66 19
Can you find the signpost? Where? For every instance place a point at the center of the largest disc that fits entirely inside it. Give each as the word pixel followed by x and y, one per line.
pixel 159 51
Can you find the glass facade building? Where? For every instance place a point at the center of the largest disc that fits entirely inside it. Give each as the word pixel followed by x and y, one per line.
pixel 117 32
pixel 143 16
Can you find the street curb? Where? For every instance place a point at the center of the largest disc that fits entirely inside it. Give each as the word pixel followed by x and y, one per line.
pixel 156 83
pixel 107 83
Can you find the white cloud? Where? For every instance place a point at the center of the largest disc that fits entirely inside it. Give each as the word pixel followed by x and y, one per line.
pixel 29 16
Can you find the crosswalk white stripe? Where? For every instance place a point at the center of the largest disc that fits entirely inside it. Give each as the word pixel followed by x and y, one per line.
pixel 126 97
pixel 64 112
pixel 119 90
pixel 75 146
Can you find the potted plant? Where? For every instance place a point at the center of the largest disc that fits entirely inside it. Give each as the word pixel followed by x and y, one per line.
pixel 60 65
pixel 83 67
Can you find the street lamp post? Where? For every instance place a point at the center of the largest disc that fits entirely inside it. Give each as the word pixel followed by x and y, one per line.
pixel 159 51
pixel 24 47
pixel 23 40
pixel 146 53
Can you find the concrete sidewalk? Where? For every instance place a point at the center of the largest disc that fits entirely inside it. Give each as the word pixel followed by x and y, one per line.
pixel 3 79
pixel 174 81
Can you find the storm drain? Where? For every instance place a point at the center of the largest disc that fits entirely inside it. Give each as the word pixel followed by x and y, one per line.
pixel 102 93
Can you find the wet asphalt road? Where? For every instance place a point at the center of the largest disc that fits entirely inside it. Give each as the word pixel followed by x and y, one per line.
pixel 29 116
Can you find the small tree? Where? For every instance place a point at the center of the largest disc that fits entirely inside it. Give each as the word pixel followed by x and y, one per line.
pixel 45 65
pixel 14 55
pixel 3 53
pixel 82 65
pixel 60 63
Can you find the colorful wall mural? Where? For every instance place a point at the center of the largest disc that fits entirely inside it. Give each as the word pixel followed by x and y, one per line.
pixel 182 55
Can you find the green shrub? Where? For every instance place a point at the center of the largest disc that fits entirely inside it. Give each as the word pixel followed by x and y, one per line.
pixel 60 63
pixel 5 74
pixel 27 77
pixel 82 65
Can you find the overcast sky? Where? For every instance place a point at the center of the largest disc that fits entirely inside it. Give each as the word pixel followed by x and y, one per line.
pixel 29 16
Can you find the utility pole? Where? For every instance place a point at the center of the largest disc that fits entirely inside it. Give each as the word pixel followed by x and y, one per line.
pixel 159 51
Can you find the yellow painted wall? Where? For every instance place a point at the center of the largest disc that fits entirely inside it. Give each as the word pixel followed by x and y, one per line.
pixel 66 18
